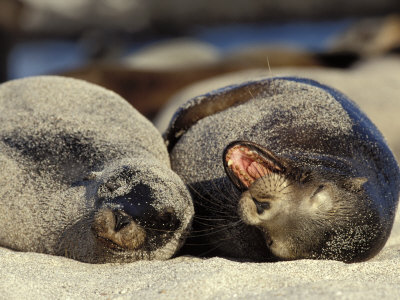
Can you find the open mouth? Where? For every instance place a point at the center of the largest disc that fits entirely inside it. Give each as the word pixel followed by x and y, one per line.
pixel 245 162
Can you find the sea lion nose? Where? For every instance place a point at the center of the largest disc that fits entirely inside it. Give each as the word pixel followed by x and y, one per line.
pixel 121 220
pixel 117 230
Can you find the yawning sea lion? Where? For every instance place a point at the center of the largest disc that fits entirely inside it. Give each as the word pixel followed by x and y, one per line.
pixel 304 173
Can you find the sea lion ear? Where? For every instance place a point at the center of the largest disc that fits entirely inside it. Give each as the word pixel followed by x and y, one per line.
pixel 354 184
pixel 245 162
pixel 205 105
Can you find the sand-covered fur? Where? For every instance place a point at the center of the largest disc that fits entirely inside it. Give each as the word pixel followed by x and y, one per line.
pixel 83 174
pixel 323 143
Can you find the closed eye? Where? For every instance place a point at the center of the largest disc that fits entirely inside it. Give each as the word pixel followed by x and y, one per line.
pixel 318 190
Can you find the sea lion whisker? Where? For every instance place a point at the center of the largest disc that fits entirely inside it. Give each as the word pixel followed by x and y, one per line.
pixel 234 191
pixel 212 225
pixel 208 251
pixel 282 180
pixel 286 186
pixel 217 201
pixel 211 230
pixel 221 228
pixel 157 229
pixel 198 244
pixel 214 243
pixel 213 207
pixel 235 195
pixel 218 213
pixel 219 242
pixel 218 189
pixel 210 233
pixel 228 200
pixel 209 218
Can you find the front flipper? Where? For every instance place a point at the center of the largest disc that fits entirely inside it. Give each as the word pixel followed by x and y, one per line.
pixel 212 103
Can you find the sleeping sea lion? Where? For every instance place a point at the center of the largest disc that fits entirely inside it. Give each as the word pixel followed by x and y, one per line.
pixel 304 173
pixel 84 175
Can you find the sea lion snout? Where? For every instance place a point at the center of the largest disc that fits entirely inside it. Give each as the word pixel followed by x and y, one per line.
pixel 117 230
pixel 132 211
pixel 123 228
pixel 137 202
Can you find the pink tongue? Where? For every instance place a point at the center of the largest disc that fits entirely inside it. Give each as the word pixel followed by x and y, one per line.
pixel 256 170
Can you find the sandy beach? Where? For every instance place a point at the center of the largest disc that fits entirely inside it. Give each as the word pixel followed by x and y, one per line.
pixel 39 276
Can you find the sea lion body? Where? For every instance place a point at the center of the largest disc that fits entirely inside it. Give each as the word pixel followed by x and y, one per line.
pixel 284 168
pixel 84 175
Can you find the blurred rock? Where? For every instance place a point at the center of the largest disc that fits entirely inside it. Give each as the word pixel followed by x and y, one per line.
pixel 266 56
pixel 149 78
pixel 174 54
pixel 370 37
pixel 68 17
pixel 146 90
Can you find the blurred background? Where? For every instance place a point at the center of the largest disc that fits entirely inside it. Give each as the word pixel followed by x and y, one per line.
pixel 147 50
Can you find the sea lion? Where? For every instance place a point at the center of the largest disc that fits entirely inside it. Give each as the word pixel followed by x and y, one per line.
pixel 84 175
pixel 304 173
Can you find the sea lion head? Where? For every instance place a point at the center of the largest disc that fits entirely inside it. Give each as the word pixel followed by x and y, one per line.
pixel 302 211
pixel 142 210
